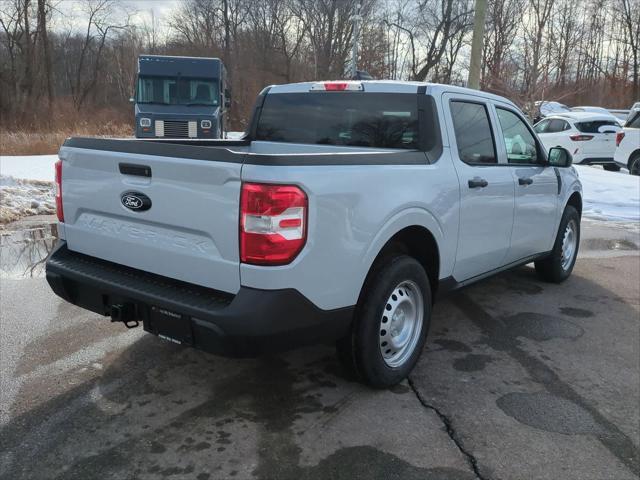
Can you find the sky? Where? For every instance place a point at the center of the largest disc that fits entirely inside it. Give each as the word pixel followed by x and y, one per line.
pixel 72 11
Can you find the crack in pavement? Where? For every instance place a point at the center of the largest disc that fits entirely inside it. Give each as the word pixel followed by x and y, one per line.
pixel 471 460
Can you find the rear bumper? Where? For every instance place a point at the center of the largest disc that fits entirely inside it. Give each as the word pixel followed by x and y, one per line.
pixel 246 324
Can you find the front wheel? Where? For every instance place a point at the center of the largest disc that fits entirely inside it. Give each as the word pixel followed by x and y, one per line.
pixel 391 323
pixel 559 264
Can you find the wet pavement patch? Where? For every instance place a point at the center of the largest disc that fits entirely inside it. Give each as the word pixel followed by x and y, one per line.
pixel 576 312
pixel 548 412
pixel 23 252
pixel 472 362
pixel 608 244
pixel 540 328
pixel 452 345
pixel 367 462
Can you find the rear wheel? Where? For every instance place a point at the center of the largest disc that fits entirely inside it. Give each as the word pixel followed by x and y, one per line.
pixel 559 264
pixel 391 323
pixel 611 167
pixel 634 164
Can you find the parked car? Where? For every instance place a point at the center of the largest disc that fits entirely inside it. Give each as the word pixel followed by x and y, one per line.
pixel 181 97
pixel 627 153
pixel 318 225
pixel 545 108
pixel 604 111
pixel 590 137
pixel 634 108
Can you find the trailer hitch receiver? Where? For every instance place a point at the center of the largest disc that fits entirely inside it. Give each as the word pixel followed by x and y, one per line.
pixel 124 313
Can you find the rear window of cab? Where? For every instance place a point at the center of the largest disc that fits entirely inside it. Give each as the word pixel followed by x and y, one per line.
pixel 357 119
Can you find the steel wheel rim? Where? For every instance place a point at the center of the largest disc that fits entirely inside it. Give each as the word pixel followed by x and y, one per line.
pixel 401 323
pixel 569 243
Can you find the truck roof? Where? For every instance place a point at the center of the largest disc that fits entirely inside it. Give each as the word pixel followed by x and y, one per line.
pixel 393 86
pixel 175 65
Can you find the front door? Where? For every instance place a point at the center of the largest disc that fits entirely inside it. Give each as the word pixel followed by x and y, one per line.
pixel 536 187
pixel 486 187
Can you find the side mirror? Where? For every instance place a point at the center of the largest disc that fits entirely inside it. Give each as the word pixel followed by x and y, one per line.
pixel 560 157
pixel 132 100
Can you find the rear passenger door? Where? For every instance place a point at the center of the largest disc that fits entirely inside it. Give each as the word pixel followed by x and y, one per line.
pixel 554 132
pixel 536 185
pixel 486 187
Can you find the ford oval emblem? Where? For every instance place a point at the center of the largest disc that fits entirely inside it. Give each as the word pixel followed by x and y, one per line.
pixel 136 201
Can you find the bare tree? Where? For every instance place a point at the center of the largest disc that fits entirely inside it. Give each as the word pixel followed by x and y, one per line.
pixel 101 22
pixel 434 24
pixel 630 13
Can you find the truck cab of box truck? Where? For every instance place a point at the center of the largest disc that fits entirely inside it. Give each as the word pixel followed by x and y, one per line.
pixel 181 97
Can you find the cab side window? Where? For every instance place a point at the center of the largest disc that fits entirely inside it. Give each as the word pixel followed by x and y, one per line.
pixel 519 141
pixel 473 132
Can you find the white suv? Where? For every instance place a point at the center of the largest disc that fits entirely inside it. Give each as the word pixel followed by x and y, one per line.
pixel 590 137
pixel 627 154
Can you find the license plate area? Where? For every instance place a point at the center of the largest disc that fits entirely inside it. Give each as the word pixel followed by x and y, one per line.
pixel 170 326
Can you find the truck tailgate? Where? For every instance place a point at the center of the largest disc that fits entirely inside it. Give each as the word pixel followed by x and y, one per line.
pixel 190 231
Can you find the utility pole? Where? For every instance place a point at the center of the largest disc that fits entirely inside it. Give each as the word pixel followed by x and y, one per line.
pixel 476 44
pixel 356 39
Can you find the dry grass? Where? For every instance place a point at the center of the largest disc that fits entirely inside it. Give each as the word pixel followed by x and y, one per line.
pixel 43 143
pixel 43 135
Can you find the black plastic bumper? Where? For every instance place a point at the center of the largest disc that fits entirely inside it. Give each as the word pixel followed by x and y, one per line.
pixel 597 161
pixel 246 324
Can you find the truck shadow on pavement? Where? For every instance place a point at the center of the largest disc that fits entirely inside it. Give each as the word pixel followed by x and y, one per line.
pixel 157 410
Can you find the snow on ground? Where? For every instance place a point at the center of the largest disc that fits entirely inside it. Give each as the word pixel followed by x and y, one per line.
pixel 33 167
pixel 21 198
pixel 607 195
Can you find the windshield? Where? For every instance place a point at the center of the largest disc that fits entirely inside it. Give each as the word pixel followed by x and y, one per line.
pixel 379 120
pixel 178 91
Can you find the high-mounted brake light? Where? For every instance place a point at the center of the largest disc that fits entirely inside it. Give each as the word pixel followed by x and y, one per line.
pixel 581 138
pixel 58 195
pixel 619 137
pixel 273 223
pixel 337 86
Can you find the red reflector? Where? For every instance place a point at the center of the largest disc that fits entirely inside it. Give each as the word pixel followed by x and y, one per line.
pixel 334 86
pixel 58 182
pixel 619 137
pixel 272 223
pixel 580 138
pixel 290 223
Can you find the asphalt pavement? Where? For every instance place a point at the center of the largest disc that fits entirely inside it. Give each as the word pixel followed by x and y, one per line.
pixel 519 380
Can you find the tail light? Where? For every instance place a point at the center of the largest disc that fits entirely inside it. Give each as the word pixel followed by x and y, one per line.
pixel 581 138
pixel 273 223
pixel 619 137
pixel 59 210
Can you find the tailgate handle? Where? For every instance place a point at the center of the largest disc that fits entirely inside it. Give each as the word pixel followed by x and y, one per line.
pixel 133 169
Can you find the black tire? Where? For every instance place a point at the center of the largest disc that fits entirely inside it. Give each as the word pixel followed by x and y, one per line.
pixel 551 268
pixel 611 167
pixel 634 164
pixel 360 350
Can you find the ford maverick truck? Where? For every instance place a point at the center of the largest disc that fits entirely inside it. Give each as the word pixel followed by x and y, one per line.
pixel 344 211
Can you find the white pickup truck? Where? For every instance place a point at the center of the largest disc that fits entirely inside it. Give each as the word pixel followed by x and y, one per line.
pixel 340 216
